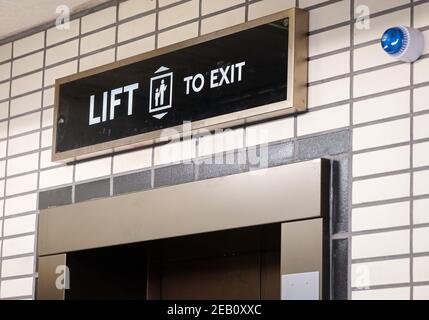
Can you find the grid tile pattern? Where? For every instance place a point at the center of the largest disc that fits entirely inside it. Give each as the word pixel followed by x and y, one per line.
pixel 366 110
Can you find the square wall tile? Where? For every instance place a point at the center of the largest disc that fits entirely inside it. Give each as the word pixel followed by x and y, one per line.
pixel 136 28
pixel 174 151
pixel 370 56
pixel 4 110
pixel 380 273
pixel 421 212
pixel 420 71
pixel 223 21
pixel 23 164
pixel 98 59
pixel 97 40
pixel 93 169
pixel 421 293
pixel 60 71
pixel 23 144
pixel 46 138
pixel 4 90
pixel 178 14
pixel 381 161
pixel 20 204
pixel 6 52
pixel 220 141
pixel 421 240
pixel 48 117
pixel 178 34
pixel 383 107
pixel 329 15
pixel 382 216
pixel 270 131
pixel 421 183
pixel 420 99
pixel 382 80
pixel 17 267
pixel 402 293
pixel 28 44
pixel 56 177
pixel 380 5
pixel 136 47
pixel 329 92
pixel 48 97
pixel 19 225
pixel 324 120
pixel 384 188
pixel 62 52
pixel 421 154
pixel 27 64
pixel 24 124
pixel 16 246
pixel 378 135
pixel 99 19
pixel 16 288
pixel 421 269
pixel 133 160
pixel 55 34
pixel 421 127
pixel 210 6
pixel 381 244
pixel 26 84
pixel 5 71
pixel 25 104
pixel 21 184
pixel 133 7
pixel 421 14
pixel 267 7
pixel 328 41
pixel 327 67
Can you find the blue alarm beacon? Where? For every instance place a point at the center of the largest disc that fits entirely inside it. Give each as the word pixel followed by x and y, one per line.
pixel 403 43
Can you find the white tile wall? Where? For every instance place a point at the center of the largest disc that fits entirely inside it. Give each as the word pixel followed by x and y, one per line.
pixel 98 19
pixel 402 293
pixel 23 144
pixel 136 47
pixel 93 169
pixel 381 216
pixel 383 188
pixel 98 59
pixel 5 71
pixel 381 272
pixel 55 35
pixel 26 103
pixel 62 52
pixel 20 204
pixel 380 5
pixel 209 6
pixel 5 52
pixel 60 71
pixel 383 107
pixel 24 224
pixel 421 212
pixel 132 160
pixel 18 266
pixel 421 182
pixel 270 131
pixel 421 240
pixel 222 21
pixel 55 177
pixel 324 120
pixel 97 40
pixel 421 293
pixel 16 246
pixel 24 124
pixel 381 161
pixel 137 27
pixel 178 34
pixel 330 15
pixel 23 164
pixel 420 99
pixel 27 83
pixel 329 92
pixel 331 66
pixel 28 44
pixel 381 244
pixel 21 184
pixel 133 7
pixel 421 268
pixel 174 152
pixel 27 64
pixel 328 41
pixel 16 288
pixel 263 8
pixel 381 134
pixel 420 71
pixel 169 17
pixel 220 142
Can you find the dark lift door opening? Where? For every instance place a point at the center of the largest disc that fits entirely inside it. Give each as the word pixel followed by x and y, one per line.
pixel 233 264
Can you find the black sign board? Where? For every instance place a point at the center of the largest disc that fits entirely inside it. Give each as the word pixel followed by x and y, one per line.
pixel 228 76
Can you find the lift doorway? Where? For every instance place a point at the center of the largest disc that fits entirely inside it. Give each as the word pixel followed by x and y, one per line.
pixel 245 247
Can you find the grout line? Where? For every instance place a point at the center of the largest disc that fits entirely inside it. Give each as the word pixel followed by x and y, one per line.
pixel 411 163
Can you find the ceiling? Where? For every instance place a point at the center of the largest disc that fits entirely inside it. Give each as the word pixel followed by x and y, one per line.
pixel 21 15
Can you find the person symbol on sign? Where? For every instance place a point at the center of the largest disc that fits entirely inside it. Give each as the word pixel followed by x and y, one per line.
pixel 162 90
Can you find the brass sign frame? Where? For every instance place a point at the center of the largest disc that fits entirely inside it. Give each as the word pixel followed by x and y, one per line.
pixel 296 96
